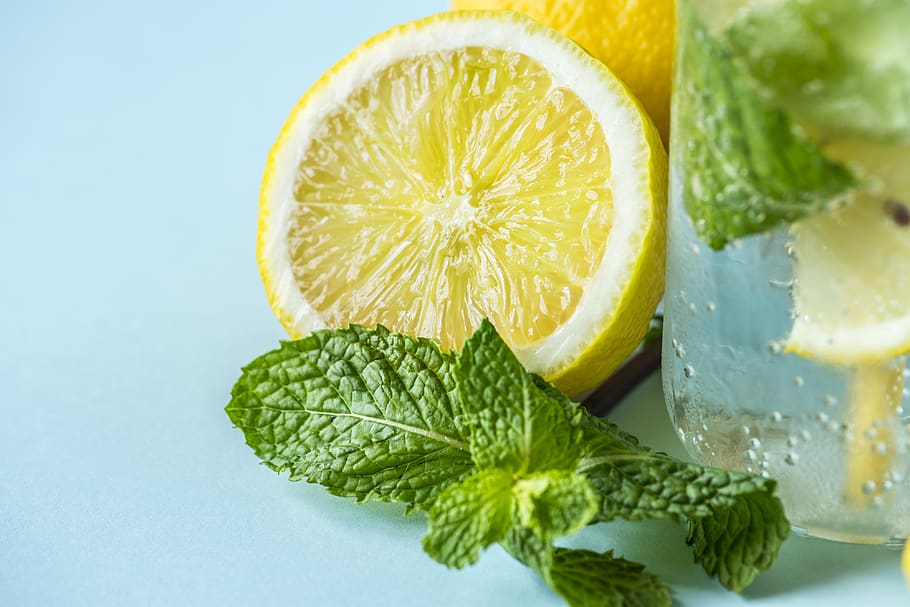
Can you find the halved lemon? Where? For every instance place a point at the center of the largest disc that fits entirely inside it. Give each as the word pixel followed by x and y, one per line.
pixel 851 293
pixel 470 165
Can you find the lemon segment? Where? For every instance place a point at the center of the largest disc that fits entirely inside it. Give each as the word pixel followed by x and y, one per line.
pixel 907 562
pixel 850 291
pixel 464 166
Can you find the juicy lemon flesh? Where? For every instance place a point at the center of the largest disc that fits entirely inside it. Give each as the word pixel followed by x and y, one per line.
pixel 852 262
pixel 449 187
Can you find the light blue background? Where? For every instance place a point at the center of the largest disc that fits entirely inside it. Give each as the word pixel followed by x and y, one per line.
pixel 133 138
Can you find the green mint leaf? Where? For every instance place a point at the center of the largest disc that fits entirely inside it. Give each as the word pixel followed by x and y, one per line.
pixel 738 542
pixel 636 483
pixel 736 524
pixel 585 578
pixel 513 423
pixel 468 517
pixel 528 547
pixel 366 413
pixel 555 503
pixel 744 168
pixel 838 65
pixel 590 579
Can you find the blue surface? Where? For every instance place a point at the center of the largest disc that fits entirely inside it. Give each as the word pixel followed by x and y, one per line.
pixel 133 142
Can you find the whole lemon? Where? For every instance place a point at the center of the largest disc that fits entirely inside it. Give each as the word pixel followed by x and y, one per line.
pixel 634 38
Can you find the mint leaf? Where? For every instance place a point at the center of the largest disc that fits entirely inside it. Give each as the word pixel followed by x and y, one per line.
pixel 468 517
pixel 636 483
pixel 585 578
pixel 738 542
pixel 366 413
pixel 525 545
pixel 512 422
pixel 838 65
pixel 736 524
pixel 555 503
pixel 744 167
pixel 590 579
pixel 495 454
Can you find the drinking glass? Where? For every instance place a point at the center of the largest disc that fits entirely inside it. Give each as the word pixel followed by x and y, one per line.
pixel 787 310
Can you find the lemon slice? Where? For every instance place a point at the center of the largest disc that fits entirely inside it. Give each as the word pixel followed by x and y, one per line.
pixel 850 292
pixel 907 562
pixel 470 165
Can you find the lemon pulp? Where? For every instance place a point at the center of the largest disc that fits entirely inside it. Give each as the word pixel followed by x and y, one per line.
pixel 522 183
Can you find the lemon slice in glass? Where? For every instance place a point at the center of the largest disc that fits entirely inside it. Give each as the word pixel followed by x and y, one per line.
pixel 470 165
pixel 851 293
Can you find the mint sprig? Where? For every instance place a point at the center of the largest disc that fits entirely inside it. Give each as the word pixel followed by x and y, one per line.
pixel 493 454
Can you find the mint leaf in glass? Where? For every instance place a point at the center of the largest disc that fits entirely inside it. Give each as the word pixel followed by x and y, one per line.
pixel 744 167
pixel 839 66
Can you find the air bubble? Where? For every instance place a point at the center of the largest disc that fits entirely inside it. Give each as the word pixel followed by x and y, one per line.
pixel 880 448
pixel 750 456
pixel 868 487
pixel 822 417
pixel 754 443
pixel 710 306
pixel 792 441
pixel 689 371
pixel 791 459
pixel 776 416
pixel 798 381
pixel 830 400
